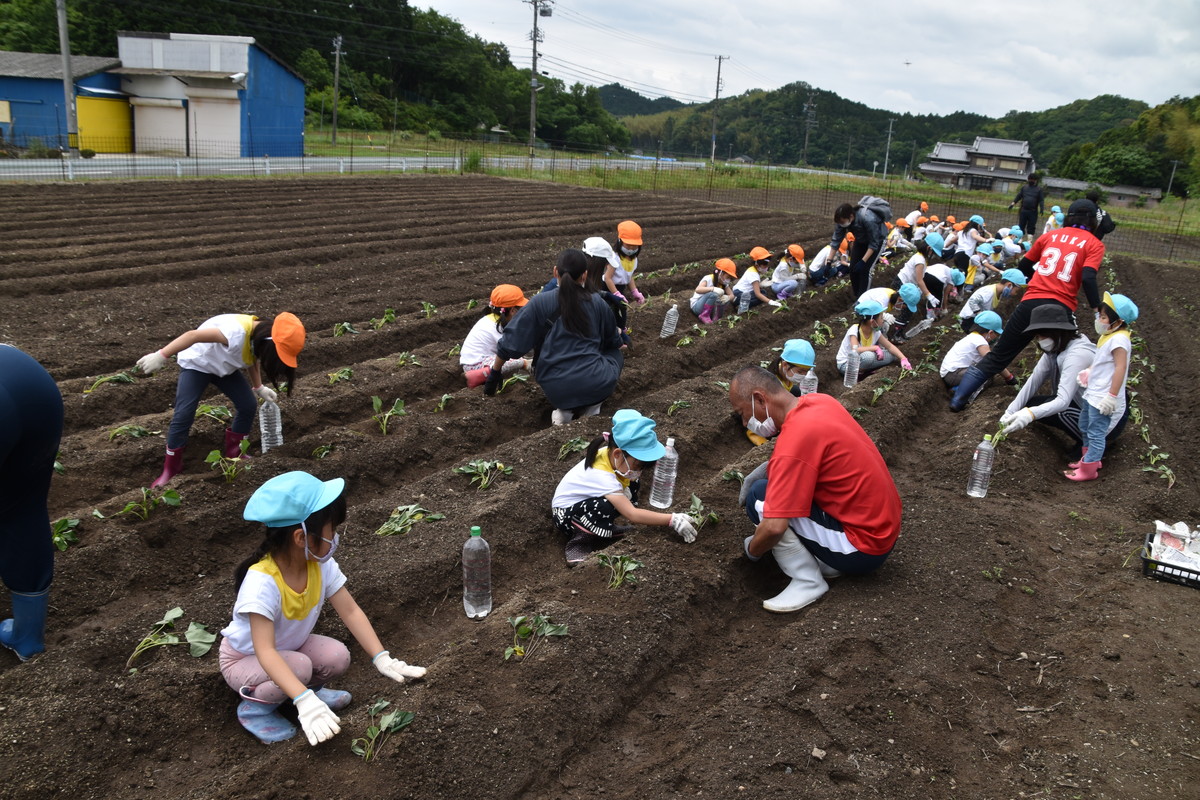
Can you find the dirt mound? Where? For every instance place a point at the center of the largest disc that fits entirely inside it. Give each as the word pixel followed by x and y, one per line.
pixel 1009 647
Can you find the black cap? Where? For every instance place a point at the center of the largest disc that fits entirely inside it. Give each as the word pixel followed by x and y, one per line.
pixel 1051 316
pixel 1085 207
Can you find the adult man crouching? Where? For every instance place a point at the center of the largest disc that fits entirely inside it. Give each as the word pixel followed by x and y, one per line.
pixel 828 505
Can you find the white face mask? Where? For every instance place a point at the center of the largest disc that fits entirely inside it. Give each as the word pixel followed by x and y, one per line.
pixel 628 250
pixel 795 377
pixel 333 546
pixel 765 428
pixel 629 474
pixel 1047 345
pixel 1101 328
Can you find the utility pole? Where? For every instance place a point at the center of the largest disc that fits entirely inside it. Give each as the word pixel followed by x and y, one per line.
pixel 68 78
pixel 810 122
pixel 1171 182
pixel 887 152
pixel 849 147
pixel 713 157
pixel 337 70
pixel 541 8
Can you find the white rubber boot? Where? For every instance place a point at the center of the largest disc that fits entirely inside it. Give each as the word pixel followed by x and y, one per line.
pixel 802 567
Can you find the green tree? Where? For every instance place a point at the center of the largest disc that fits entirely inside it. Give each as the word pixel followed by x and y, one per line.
pixel 1122 164
pixel 313 67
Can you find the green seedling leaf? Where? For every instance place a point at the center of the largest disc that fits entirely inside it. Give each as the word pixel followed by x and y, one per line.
pixel 677 406
pixel 576 445
pixel 483 472
pixel 63 532
pixel 343 374
pixel 132 431
pixel 342 328
pixel 120 377
pixel 518 377
pixel 200 641
pixel 321 451
pixel 403 518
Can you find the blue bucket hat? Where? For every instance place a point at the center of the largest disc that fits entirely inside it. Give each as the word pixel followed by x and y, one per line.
pixel 1015 232
pixel 799 352
pixel 935 242
pixel 1013 276
pixel 989 321
pixel 911 295
pixel 1126 309
pixel 868 308
pixel 978 220
pixel 957 277
pixel 291 498
pixel 987 248
pixel 634 434
pixel 1055 209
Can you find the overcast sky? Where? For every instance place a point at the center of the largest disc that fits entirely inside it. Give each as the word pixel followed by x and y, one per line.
pixel 985 56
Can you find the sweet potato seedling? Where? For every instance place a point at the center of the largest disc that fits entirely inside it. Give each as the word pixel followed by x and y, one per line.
pixel 529 633
pixel 383 724
pixel 200 641
pixel 701 332
pixel 229 467
pixel 120 377
pixel 342 328
pixel 443 402
pixel 684 341
pixel 620 569
pixel 428 309
pixel 383 417
pixel 677 406
pixel 389 315
pixel 733 475
pixel 321 451
pixel 219 413
pixel 132 431
pixel 407 359
pixel 472 303
pixel 343 374
pixel 455 350
pixel 520 377
pixel 63 532
pixel 142 508
pixel 576 445
pixel 821 333
pixel 483 472
pixel 59 469
pixel 403 518
pixel 700 515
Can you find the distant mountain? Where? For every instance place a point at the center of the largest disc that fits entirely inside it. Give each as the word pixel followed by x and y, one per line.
pixel 622 102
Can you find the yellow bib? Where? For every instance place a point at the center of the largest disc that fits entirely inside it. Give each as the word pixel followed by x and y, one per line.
pixel 296 605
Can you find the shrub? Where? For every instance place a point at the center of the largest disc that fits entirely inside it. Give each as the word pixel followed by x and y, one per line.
pixel 87 152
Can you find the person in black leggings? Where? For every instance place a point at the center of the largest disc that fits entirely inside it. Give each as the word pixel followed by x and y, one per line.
pixel 31 423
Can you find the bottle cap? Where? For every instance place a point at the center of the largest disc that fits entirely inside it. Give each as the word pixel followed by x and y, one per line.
pixel 987 437
pixel 475 531
pixel 670 441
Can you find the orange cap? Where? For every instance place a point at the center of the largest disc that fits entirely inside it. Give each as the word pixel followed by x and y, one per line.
pixel 849 236
pixel 935 218
pixel 760 254
pixel 924 206
pixel 727 266
pixel 507 296
pixel 950 219
pixel 630 232
pixel 922 220
pixel 958 226
pixel 889 225
pixel 903 223
pixel 796 252
pixel 844 246
pixel 287 332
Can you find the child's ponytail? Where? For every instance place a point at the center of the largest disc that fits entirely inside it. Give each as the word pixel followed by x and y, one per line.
pixel 593 450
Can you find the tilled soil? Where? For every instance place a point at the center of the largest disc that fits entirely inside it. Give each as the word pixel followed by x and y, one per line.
pixel 1010 647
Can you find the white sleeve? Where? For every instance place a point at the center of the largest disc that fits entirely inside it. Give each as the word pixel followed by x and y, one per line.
pixel 1041 371
pixel 1074 359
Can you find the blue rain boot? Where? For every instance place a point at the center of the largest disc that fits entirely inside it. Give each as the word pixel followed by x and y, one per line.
pixel 25 633
pixel 973 380
pixel 336 699
pixel 263 719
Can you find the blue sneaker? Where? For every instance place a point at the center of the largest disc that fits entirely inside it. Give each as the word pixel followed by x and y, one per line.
pixel 334 698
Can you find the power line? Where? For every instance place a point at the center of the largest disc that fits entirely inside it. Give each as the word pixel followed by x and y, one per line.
pixel 625 35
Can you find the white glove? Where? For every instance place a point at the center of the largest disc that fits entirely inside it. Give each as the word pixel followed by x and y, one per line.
pixel 267 394
pixel 151 362
pixel 775 303
pixel 1106 405
pixel 682 524
pixel 317 719
pixel 746 548
pixel 756 475
pixel 1082 377
pixel 932 301
pixel 718 291
pixel 889 318
pixel 394 669
pixel 1016 421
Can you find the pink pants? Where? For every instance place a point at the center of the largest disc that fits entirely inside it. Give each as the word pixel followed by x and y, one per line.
pixel 318 660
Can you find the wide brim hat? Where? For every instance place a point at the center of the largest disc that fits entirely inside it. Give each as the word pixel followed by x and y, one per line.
pixel 598 246
pixel 635 434
pixel 1051 317
pixel 291 498
pixel 287 332
pixel 799 352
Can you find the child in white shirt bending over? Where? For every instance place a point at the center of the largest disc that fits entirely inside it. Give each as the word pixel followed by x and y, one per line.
pixel 1104 384
pixel 986 327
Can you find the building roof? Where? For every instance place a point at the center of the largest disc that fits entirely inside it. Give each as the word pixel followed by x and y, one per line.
pixel 211 38
pixel 48 66
pixel 950 151
pixel 1001 147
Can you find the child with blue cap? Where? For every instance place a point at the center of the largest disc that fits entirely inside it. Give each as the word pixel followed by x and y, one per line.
pixel 269 653
pixel 1104 383
pixel 1012 281
pixel 874 348
pixel 794 369
pixel 604 486
pixel 985 328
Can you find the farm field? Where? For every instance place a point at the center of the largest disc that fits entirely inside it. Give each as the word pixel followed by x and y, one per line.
pixel 1010 647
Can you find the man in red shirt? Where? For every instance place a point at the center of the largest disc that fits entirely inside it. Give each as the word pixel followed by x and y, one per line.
pixel 1059 262
pixel 828 505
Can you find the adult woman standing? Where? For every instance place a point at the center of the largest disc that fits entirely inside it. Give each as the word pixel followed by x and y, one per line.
pixel 577 348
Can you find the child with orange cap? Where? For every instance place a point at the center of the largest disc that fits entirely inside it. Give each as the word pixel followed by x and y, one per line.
pixel 750 284
pixel 216 353
pixel 785 280
pixel 619 279
pixel 479 348
pixel 714 292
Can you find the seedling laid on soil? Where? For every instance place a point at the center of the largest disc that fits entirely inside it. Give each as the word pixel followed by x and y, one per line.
pixel 733 475
pixel 342 328
pixel 229 467
pixel 484 472
pixel 58 465
pixel 120 377
pixel 731 320
pixel 722 385
pixel 445 401
pixel 383 417
pixel 701 332
pixel 197 636
pixel 142 508
pixel 219 413
pixel 343 374
pixel 529 633
pixel 783 306
pixel 403 518
pixel 520 377
pixel 576 445
pixel 700 515
pixel 428 309
pixel 472 303
pixel 677 406
pixel 879 391
pixel 684 341
pixel 406 358
pixel 382 725
pixel 132 431
pixel 455 350
pixel 620 569
pixel 63 533
pixel 321 451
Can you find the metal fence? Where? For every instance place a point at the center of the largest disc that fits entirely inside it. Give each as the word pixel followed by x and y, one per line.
pixel 1164 232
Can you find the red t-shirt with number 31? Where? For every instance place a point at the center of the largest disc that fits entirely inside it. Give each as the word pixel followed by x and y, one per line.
pixel 1061 257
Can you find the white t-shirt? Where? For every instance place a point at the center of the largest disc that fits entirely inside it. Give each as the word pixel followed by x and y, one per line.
pixel 747 281
pixel 480 344
pixel 580 484
pixel 844 351
pixel 707 280
pixel 964 353
pixel 985 299
pixel 628 266
pixel 819 260
pixel 880 294
pixel 222 359
pixel 782 272
pixel 908 273
pixel 941 272
pixel 1103 368
pixel 295 614
pixel 912 217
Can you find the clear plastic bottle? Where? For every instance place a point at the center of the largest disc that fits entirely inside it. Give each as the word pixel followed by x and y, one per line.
pixel 981 468
pixel 662 491
pixel 802 279
pixel 477 575
pixel 808 384
pixel 670 321
pixel 850 380
pixel 270 425
pixel 744 302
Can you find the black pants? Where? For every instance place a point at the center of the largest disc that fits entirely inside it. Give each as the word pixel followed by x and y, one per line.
pixel 860 269
pixel 1027 220
pixel 1014 339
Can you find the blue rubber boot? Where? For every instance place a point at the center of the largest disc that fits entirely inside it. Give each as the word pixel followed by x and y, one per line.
pixel 25 633
pixel 336 699
pixel 973 379
pixel 263 719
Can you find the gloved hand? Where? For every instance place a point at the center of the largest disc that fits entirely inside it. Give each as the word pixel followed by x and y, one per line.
pixel 932 301
pixel 395 669
pixel 266 394
pixel 757 474
pixel 1012 380
pixel 775 303
pixel 317 719
pixel 905 364
pixel 1016 421
pixel 151 362
pixel 638 297
pixel 1082 377
pixel 878 352
pixel 890 319
pixel 682 524
pixel 1106 405
pixel 620 297
pixel 718 291
pixel 746 549
pixel 492 383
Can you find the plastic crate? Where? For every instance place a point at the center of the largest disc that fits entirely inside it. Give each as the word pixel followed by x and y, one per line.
pixel 1164 571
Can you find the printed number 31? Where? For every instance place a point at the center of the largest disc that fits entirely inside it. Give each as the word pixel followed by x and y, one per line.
pixel 1050 260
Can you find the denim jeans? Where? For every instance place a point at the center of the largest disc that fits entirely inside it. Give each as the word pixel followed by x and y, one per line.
pixel 190 389
pixel 1093 425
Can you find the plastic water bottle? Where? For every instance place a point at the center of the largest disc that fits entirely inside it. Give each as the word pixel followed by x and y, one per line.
pixel 850 380
pixel 808 384
pixel 744 303
pixel 802 278
pixel 662 491
pixel 669 321
pixel 477 575
pixel 270 425
pixel 981 468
